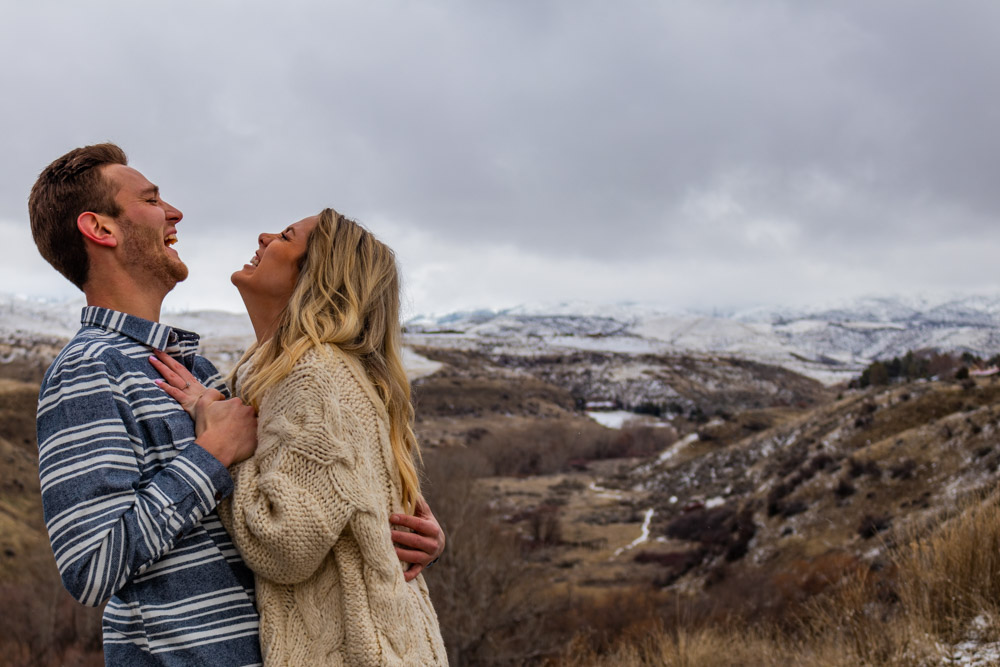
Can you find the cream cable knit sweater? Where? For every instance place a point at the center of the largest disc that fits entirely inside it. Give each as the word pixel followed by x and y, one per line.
pixel 310 516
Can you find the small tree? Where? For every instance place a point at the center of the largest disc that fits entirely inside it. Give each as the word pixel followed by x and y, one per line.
pixel 878 374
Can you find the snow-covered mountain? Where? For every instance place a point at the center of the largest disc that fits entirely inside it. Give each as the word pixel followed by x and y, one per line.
pixel 32 332
pixel 827 342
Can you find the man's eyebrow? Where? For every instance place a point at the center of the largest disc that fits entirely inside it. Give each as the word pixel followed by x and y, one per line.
pixel 151 190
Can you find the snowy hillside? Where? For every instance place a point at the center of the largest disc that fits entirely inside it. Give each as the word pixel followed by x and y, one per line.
pixel 826 343
pixel 26 322
pixel 829 343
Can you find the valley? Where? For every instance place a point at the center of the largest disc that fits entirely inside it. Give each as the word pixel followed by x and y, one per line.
pixel 728 494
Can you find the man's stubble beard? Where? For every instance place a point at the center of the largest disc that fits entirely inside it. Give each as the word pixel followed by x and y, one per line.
pixel 140 243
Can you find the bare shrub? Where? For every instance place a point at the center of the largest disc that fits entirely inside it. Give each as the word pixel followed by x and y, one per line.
pixel 546 529
pixel 43 625
pixel 485 594
pixel 871 525
pixel 720 530
pixel 903 470
pixel 598 622
pixel 559 445
pixel 844 488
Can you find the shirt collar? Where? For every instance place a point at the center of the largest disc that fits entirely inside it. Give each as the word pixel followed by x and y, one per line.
pixel 151 334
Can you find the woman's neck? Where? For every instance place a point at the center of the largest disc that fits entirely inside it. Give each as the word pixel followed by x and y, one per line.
pixel 264 315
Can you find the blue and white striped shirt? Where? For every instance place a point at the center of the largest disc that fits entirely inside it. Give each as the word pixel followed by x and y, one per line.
pixel 130 499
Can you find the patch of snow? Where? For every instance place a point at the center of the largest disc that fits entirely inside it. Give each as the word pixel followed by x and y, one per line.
pixel 714 502
pixel 418 366
pixel 971 654
pixel 670 451
pixel 643 536
pixel 613 418
pixel 605 493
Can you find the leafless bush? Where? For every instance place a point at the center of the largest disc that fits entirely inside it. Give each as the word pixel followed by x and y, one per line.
pixel 484 591
pixel 557 445
pixel 41 625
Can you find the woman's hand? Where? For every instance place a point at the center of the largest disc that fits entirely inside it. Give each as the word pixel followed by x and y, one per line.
pixel 225 429
pixel 421 547
pixel 181 385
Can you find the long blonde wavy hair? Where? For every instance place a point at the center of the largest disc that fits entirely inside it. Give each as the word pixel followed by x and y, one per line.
pixel 347 295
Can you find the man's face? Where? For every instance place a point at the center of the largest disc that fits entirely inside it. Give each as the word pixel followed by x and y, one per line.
pixel 149 228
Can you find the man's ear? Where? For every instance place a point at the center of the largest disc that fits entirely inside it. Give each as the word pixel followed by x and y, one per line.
pixel 98 228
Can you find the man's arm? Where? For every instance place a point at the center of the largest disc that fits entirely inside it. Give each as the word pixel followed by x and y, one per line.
pixel 106 525
pixel 421 547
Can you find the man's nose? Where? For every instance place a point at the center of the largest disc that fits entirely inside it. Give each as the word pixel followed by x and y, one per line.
pixel 173 214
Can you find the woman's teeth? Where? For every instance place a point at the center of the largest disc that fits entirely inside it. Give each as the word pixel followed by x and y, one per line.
pixel 254 261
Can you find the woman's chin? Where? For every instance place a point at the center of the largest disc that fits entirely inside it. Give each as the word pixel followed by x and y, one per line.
pixel 240 276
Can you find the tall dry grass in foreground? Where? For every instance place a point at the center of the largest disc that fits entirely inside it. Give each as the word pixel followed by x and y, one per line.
pixel 940 594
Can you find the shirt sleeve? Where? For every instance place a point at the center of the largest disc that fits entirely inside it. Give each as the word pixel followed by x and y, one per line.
pixel 106 524
pixel 308 478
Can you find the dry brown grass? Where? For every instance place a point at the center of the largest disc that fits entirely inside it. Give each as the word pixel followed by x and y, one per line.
pixel 884 423
pixel 952 575
pixel 40 624
pixel 941 587
pixel 713 647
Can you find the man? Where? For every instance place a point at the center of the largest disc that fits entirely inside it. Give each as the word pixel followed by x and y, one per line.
pixel 129 483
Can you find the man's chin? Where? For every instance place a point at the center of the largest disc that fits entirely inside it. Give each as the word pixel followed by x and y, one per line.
pixel 179 272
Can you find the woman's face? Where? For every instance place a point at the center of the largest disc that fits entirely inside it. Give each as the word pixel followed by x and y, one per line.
pixel 274 268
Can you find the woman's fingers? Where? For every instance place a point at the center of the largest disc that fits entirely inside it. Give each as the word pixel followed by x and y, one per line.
pixel 176 373
pixel 168 373
pixel 188 401
pixel 418 544
pixel 412 572
pixel 180 384
pixel 427 534
pixel 172 391
pixel 416 524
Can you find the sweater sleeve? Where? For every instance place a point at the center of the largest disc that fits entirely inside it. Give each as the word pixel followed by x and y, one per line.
pixel 106 524
pixel 295 496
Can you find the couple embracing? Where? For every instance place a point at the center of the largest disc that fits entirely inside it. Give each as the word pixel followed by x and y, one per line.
pixel 274 517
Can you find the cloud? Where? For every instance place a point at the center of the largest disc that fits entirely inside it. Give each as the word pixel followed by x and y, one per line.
pixel 599 141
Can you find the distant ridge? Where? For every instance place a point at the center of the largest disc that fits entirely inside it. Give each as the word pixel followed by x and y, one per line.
pixel 829 342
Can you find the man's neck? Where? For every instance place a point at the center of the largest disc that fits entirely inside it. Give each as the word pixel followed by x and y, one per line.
pixel 125 296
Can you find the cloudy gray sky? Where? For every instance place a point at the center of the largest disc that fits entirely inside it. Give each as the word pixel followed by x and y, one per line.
pixel 705 153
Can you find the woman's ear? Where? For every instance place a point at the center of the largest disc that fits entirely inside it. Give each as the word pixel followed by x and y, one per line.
pixel 97 228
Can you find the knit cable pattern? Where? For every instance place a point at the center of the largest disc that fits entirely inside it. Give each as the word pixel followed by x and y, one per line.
pixel 310 516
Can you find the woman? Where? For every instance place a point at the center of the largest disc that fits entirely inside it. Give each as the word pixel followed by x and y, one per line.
pixel 335 456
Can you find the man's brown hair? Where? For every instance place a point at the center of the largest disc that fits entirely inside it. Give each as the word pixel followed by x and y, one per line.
pixel 71 185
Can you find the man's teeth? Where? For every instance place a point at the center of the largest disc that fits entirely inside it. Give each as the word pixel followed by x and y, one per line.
pixel 171 239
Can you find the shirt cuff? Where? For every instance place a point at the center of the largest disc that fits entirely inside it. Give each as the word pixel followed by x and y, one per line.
pixel 204 474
